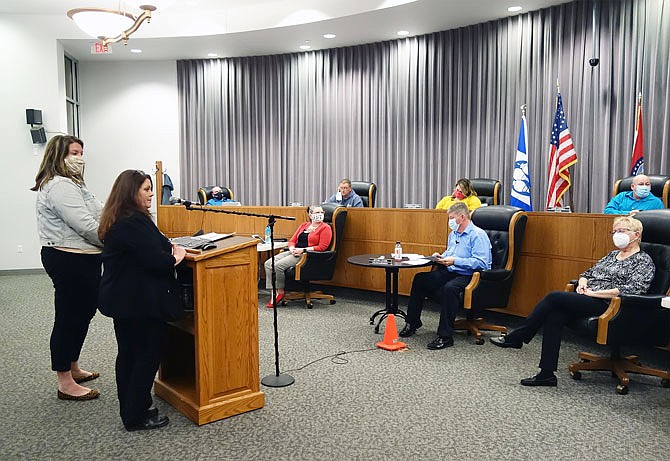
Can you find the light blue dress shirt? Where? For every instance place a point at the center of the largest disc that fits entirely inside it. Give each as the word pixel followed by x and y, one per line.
pixel 471 250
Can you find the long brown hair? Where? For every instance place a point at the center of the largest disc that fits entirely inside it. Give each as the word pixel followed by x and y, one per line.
pixel 466 187
pixel 53 162
pixel 122 201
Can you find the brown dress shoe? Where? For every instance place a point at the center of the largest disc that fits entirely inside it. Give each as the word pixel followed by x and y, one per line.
pixel 83 379
pixel 92 394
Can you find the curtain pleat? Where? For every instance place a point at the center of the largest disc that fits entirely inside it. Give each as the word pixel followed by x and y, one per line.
pixel 414 115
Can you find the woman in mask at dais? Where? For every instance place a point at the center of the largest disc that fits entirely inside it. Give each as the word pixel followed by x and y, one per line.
pixel 626 270
pixel 463 192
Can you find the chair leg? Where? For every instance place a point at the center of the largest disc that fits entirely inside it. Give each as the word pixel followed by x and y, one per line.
pixel 308 296
pixel 620 366
pixel 474 325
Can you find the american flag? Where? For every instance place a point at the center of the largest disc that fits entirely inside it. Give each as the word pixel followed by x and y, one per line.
pixel 562 157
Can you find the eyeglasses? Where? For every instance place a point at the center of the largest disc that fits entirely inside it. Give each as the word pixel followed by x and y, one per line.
pixel 620 231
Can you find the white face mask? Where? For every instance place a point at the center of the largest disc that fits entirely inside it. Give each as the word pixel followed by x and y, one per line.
pixel 453 225
pixel 75 165
pixel 621 240
pixel 317 217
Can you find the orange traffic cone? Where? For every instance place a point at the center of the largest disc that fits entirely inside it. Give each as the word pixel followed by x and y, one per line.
pixel 391 342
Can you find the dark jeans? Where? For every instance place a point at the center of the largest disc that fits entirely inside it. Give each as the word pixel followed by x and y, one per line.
pixel 551 314
pixel 140 345
pixel 448 286
pixel 76 278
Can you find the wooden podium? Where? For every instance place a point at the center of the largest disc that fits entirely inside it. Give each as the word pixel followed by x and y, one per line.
pixel 210 368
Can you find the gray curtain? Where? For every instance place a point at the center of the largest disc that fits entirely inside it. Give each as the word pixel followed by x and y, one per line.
pixel 416 114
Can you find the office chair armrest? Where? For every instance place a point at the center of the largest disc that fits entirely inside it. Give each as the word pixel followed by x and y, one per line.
pixel 634 319
pixel 317 264
pixel 494 275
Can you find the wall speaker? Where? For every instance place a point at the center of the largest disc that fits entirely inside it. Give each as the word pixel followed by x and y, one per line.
pixel 34 116
pixel 39 135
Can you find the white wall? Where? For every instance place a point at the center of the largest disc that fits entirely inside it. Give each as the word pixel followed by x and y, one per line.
pixel 129 120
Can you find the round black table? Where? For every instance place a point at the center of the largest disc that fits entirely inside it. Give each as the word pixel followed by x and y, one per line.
pixel 392 268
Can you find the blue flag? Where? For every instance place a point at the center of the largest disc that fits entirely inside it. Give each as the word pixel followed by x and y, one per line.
pixel 521 178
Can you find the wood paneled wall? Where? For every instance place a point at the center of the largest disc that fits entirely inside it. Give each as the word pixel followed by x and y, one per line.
pixel 556 248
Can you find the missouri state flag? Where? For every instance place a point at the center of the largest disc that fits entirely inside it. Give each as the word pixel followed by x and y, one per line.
pixel 637 161
pixel 521 177
pixel 562 157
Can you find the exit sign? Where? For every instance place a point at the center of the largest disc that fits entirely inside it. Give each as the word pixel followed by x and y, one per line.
pixel 99 48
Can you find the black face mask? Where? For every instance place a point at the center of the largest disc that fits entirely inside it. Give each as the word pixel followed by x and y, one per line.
pixel 218 196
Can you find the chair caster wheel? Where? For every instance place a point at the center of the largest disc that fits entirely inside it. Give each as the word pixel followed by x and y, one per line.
pixel 479 341
pixel 576 375
pixel 621 389
pixel 372 322
pixel 332 301
pixel 377 329
pixel 665 382
pixel 310 305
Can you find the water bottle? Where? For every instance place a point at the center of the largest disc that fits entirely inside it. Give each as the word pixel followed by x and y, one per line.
pixel 267 234
pixel 397 253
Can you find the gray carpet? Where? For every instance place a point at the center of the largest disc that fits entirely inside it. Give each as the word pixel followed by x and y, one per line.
pixel 460 403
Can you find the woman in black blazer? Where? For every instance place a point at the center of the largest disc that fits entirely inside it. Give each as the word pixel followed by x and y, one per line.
pixel 139 291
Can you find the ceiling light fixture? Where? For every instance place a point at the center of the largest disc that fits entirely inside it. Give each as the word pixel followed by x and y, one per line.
pixel 305 47
pixel 212 55
pixel 136 50
pixel 329 35
pixel 514 9
pixel 110 26
pixel 402 33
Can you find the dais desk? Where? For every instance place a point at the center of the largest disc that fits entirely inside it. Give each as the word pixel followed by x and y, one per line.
pixel 557 246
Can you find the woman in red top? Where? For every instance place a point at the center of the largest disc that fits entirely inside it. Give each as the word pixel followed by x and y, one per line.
pixel 310 236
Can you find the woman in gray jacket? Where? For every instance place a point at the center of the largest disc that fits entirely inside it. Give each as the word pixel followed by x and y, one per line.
pixel 67 223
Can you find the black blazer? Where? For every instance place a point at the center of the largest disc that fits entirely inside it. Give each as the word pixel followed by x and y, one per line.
pixel 138 277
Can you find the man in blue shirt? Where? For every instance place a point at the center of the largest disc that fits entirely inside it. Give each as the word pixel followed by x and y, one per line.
pixel 638 199
pixel 345 196
pixel 468 250
pixel 217 197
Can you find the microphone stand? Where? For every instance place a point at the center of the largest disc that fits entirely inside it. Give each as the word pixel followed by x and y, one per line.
pixel 277 379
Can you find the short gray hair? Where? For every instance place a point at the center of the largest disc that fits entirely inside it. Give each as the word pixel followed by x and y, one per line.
pixel 459 208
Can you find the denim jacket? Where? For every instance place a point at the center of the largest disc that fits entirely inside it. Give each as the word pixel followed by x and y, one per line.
pixel 68 215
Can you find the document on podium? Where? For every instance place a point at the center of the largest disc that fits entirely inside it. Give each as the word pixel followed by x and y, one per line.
pixel 194 242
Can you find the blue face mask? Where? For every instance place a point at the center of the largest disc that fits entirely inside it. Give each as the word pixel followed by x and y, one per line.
pixel 642 191
pixel 453 225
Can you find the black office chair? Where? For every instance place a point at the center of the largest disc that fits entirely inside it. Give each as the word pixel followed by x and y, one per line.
pixel 505 226
pixel 489 191
pixel 634 319
pixel 205 193
pixel 367 191
pixel 660 186
pixel 317 265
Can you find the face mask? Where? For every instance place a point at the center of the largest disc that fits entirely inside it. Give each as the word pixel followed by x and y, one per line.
pixel 338 196
pixel 75 165
pixel 218 195
pixel 453 225
pixel 642 191
pixel 317 217
pixel 621 240
pixel 459 195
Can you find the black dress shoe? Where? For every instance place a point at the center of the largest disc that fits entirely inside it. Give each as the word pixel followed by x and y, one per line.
pixel 152 412
pixel 504 341
pixel 441 343
pixel 550 381
pixel 149 423
pixel 409 330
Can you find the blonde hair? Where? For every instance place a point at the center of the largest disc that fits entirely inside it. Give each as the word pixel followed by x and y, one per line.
pixel 630 222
